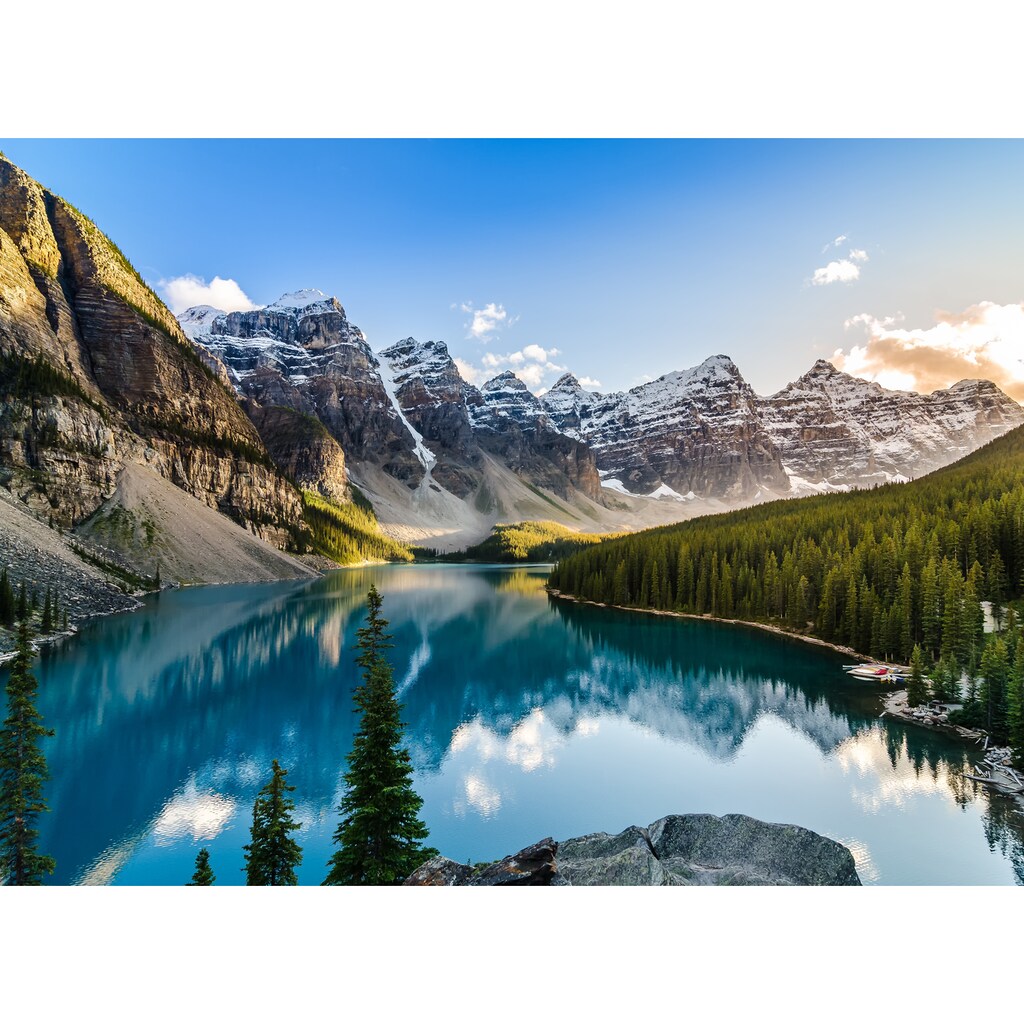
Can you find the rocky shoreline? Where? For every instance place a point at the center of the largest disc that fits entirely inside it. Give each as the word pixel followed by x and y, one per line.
pixel 995 770
pixel 679 849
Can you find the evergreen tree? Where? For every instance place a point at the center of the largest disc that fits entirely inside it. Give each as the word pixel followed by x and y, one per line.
pixel 995 669
pixel 946 681
pixel 1015 706
pixel 22 774
pixel 22 608
pixel 6 600
pixel 917 689
pixel 380 835
pixel 204 873
pixel 46 625
pixel 272 856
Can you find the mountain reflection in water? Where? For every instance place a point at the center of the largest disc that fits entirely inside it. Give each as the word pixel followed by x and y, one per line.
pixel 526 717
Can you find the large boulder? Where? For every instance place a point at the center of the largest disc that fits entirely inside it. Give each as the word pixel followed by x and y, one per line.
pixel 700 849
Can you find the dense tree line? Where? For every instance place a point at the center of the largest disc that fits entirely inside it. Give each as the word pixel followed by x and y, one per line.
pixel 882 570
pixel 27 378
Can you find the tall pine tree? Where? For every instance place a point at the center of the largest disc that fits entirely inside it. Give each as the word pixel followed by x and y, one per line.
pixel 380 838
pixel 22 774
pixel 917 688
pixel 1015 702
pixel 272 856
pixel 204 873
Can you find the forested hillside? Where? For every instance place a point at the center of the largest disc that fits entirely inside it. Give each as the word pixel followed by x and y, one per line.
pixel 881 570
pixel 346 533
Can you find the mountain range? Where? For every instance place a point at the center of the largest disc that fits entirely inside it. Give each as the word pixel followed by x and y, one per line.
pixel 699 437
pixel 149 442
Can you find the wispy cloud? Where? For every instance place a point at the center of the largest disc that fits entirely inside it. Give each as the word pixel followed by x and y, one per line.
pixel 984 341
pixel 190 290
pixel 487 321
pixel 834 244
pixel 470 374
pixel 588 382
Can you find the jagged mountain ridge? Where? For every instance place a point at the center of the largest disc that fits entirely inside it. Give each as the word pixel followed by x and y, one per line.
pixel 705 430
pixel 695 430
pixel 402 415
pixel 845 431
pixel 700 434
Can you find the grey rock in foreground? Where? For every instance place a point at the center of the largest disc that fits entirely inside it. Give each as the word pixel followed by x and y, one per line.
pixel 680 849
pixel 534 865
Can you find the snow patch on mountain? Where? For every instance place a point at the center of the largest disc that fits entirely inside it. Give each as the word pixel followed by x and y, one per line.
pixel 423 453
pixel 302 299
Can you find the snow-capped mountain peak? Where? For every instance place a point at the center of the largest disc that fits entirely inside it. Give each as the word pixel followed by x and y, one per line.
pixel 198 320
pixel 301 299
pixel 567 382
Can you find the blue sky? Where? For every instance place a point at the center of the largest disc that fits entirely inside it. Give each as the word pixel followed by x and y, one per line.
pixel 619 260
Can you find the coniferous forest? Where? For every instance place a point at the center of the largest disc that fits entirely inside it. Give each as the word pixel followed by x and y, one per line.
pixel 881 571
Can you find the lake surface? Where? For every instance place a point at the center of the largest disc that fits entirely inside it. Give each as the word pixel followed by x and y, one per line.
pixel 526 717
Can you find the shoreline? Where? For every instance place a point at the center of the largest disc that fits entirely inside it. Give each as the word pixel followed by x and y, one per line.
pixel 765 626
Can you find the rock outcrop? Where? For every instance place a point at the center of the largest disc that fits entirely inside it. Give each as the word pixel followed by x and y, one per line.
pixel 535 865
pixel 680 849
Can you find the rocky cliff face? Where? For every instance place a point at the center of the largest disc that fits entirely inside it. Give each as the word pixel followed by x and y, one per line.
pixel 838 431
pixel 302 353
pixel 303 450
pixel 694 431
pixel 98 374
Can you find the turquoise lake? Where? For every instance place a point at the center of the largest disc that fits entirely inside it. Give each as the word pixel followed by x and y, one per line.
pixel 526 717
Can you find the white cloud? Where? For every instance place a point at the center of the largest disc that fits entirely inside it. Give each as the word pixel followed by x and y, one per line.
pixel 486 321
pixel 588 382
pixel 533 365
pixel 540 354
pixel 837 270
pixel 984 341
pixel 834 244
pixel 844 271
pixel 189 290
pixel 470 374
